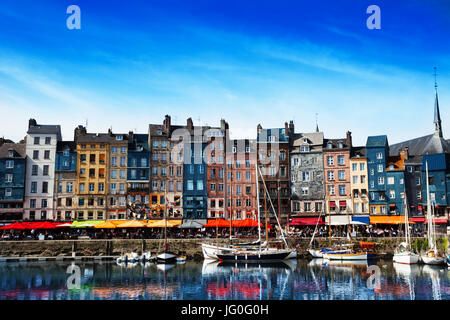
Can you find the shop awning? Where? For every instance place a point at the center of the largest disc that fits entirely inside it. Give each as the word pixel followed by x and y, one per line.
pixel 307 221
pixel 388 220
pixel 338 220
pixel 342 203
pixel 132 224
pixel 437 220
pixel 360 220
pixel 193 224
pixel 14 226
pixel 86 223
pixel 105 225
pixel 162 223
pixel 221 223
pixel 417 219
pixel 332 204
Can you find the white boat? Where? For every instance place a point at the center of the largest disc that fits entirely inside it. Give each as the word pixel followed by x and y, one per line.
pixel 210 251
pixel 181 259
pixel 433 255
pixel 403 252
pixel 338 255
pixel 166 257
pixel 316 253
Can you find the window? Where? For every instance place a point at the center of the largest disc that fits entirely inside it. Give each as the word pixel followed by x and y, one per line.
pixel 113 174
pixel 9 164
pixel 45 171
pixel 390 180
pixel 282 156
pixel 123 174
pixel 305 176
pixel 354 166
pixel 35 154
pixel 48 140
pixel 33 187
pixel 340 160
pixel 36 140
pixel 123 150
pixel 318 206
pixel 331 190
pixel 238 175
pixel 44 203
pixel 379 155
pixel 419 194
pixel 60 187
pixel 330 175
pixel 380 168
pixel 34 170
pixel 330 160
pixel 304 149
pixel 362 166
pixel 155 144
pixel 190 185
pixel 69 187
pixel 417 181
pixel 392 194
pixel 305 191
pixel 355 179
pixel 123 161
pixel 341 175
pixel 372 172
pixel 114 161
pixel 91 187
pixel 247 175
pixel 44 187
pixel 8 192
pixel 179 185
pixel 154 185
pixel 81 187
pixel 363 179
pixel 342 190
pixel 8 177
pixel 32 203
pixel 199 184
pixel 381 196
pixel 101 187
pixel 163 171
pixel 380 180
pixel 119 138
pixel 47 154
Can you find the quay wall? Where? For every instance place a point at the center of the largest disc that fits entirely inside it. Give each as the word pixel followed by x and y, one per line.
pixel 191 247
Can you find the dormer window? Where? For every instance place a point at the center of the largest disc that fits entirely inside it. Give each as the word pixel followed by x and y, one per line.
pixel 10 153
pixel 247 149
pixel 340 145
pixel 304 149
pixel 66 152
pixel 119 138
pixel 329 146
pixel 305 140
pixel 271 138
pixel 159 132
pixel 234 149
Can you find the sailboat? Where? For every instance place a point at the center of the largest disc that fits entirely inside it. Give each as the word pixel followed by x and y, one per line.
pixel 165 256
pixel 433 255
pixel 260 253
pixel 346 254
pixel 316 252
pixel 403 253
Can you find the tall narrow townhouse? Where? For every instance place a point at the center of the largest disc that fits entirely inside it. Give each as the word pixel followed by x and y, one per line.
pixel 92 150
pixel 359 182
pixel 307 184
pixel 336 156
pixel 138 175
pixel 273 147
pixel 12 181
pixel 65 180
pixel 215 178
pixel 158 140
pixel 41 142
pixel 377 150
pixel 117 191
pixel 395 184
pixel 241 180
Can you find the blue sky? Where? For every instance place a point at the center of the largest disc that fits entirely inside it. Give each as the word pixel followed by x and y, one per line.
pixel 249 62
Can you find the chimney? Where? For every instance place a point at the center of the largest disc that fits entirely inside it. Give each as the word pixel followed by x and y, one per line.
pixel 110 131
pixel 80 130
pixel 190 124
pixel 130 136
pixel 166 123
pixel 259 128
pixel 286 129
pixel 32 123
pixel 223 125
pixel 348 140
pixel 291 127
pixel 404 153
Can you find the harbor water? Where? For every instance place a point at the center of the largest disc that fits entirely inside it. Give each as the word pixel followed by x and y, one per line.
pixel 293 280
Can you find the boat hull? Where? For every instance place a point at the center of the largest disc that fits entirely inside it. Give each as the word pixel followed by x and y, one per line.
pixel 254 257
pixel 316 253
pixel 345 256
pixel 211 251
pixel 406 258
pixel 166 257
pixel 433 257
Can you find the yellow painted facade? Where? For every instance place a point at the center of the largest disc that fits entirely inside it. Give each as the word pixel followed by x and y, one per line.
pixel 359 185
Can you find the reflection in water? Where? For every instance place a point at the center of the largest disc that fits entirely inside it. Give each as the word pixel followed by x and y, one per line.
pixel 295 280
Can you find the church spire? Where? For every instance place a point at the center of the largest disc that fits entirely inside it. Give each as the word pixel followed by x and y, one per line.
pixel 437 115
pixel 317 124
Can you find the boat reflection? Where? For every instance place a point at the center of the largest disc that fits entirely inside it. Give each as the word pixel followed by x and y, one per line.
pixel 434 272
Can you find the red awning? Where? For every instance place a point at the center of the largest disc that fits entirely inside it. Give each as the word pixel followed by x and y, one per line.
pixel 332 204
pixel 392 205
pixel 14 226
pixel 437 220
pixel 417 219
pixel 310 221
pixel 217 223
pixel 342 203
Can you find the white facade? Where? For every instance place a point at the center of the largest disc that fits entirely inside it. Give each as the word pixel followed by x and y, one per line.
pixel 40 175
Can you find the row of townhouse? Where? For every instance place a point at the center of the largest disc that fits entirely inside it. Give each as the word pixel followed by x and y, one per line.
pixel 198 172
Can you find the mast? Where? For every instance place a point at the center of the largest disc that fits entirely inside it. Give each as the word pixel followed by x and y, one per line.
pixel 165 216
pixel 407 238
pixel 329 223
pixel 257 199
pixel 315 229
pixel 265 215
pixel 430 239
pixel 273 209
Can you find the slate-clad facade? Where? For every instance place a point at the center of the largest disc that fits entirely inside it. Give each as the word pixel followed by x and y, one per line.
pixel 12 181
pixel 439 182
pixel 377 149
pixel 65 201
pixel 306 172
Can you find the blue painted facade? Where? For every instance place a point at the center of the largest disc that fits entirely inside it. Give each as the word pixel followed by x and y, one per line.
pixel 138 170
pixel 377 149
pixel 12 177
pixel 394 191
pixel 66 157
pixel 439 181
pixel 195 195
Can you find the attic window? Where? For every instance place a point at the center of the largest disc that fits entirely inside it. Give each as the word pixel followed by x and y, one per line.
pixel 329 146
pixel 159 132
pixel 305 140
pixel 340 145
pixel 10 153
pixel 391 167
pixel 66 152
pixel 119 138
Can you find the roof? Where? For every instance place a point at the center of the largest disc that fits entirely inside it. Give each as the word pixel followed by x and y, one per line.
pixel 376 141
pixel 358 152
pixel 429 144
pixel 100 138
pixel 279 134
pixel 315 138
pixel 19 150
pixel 240 146
pixel 335 144
pixel 63 145
pixel 45 129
